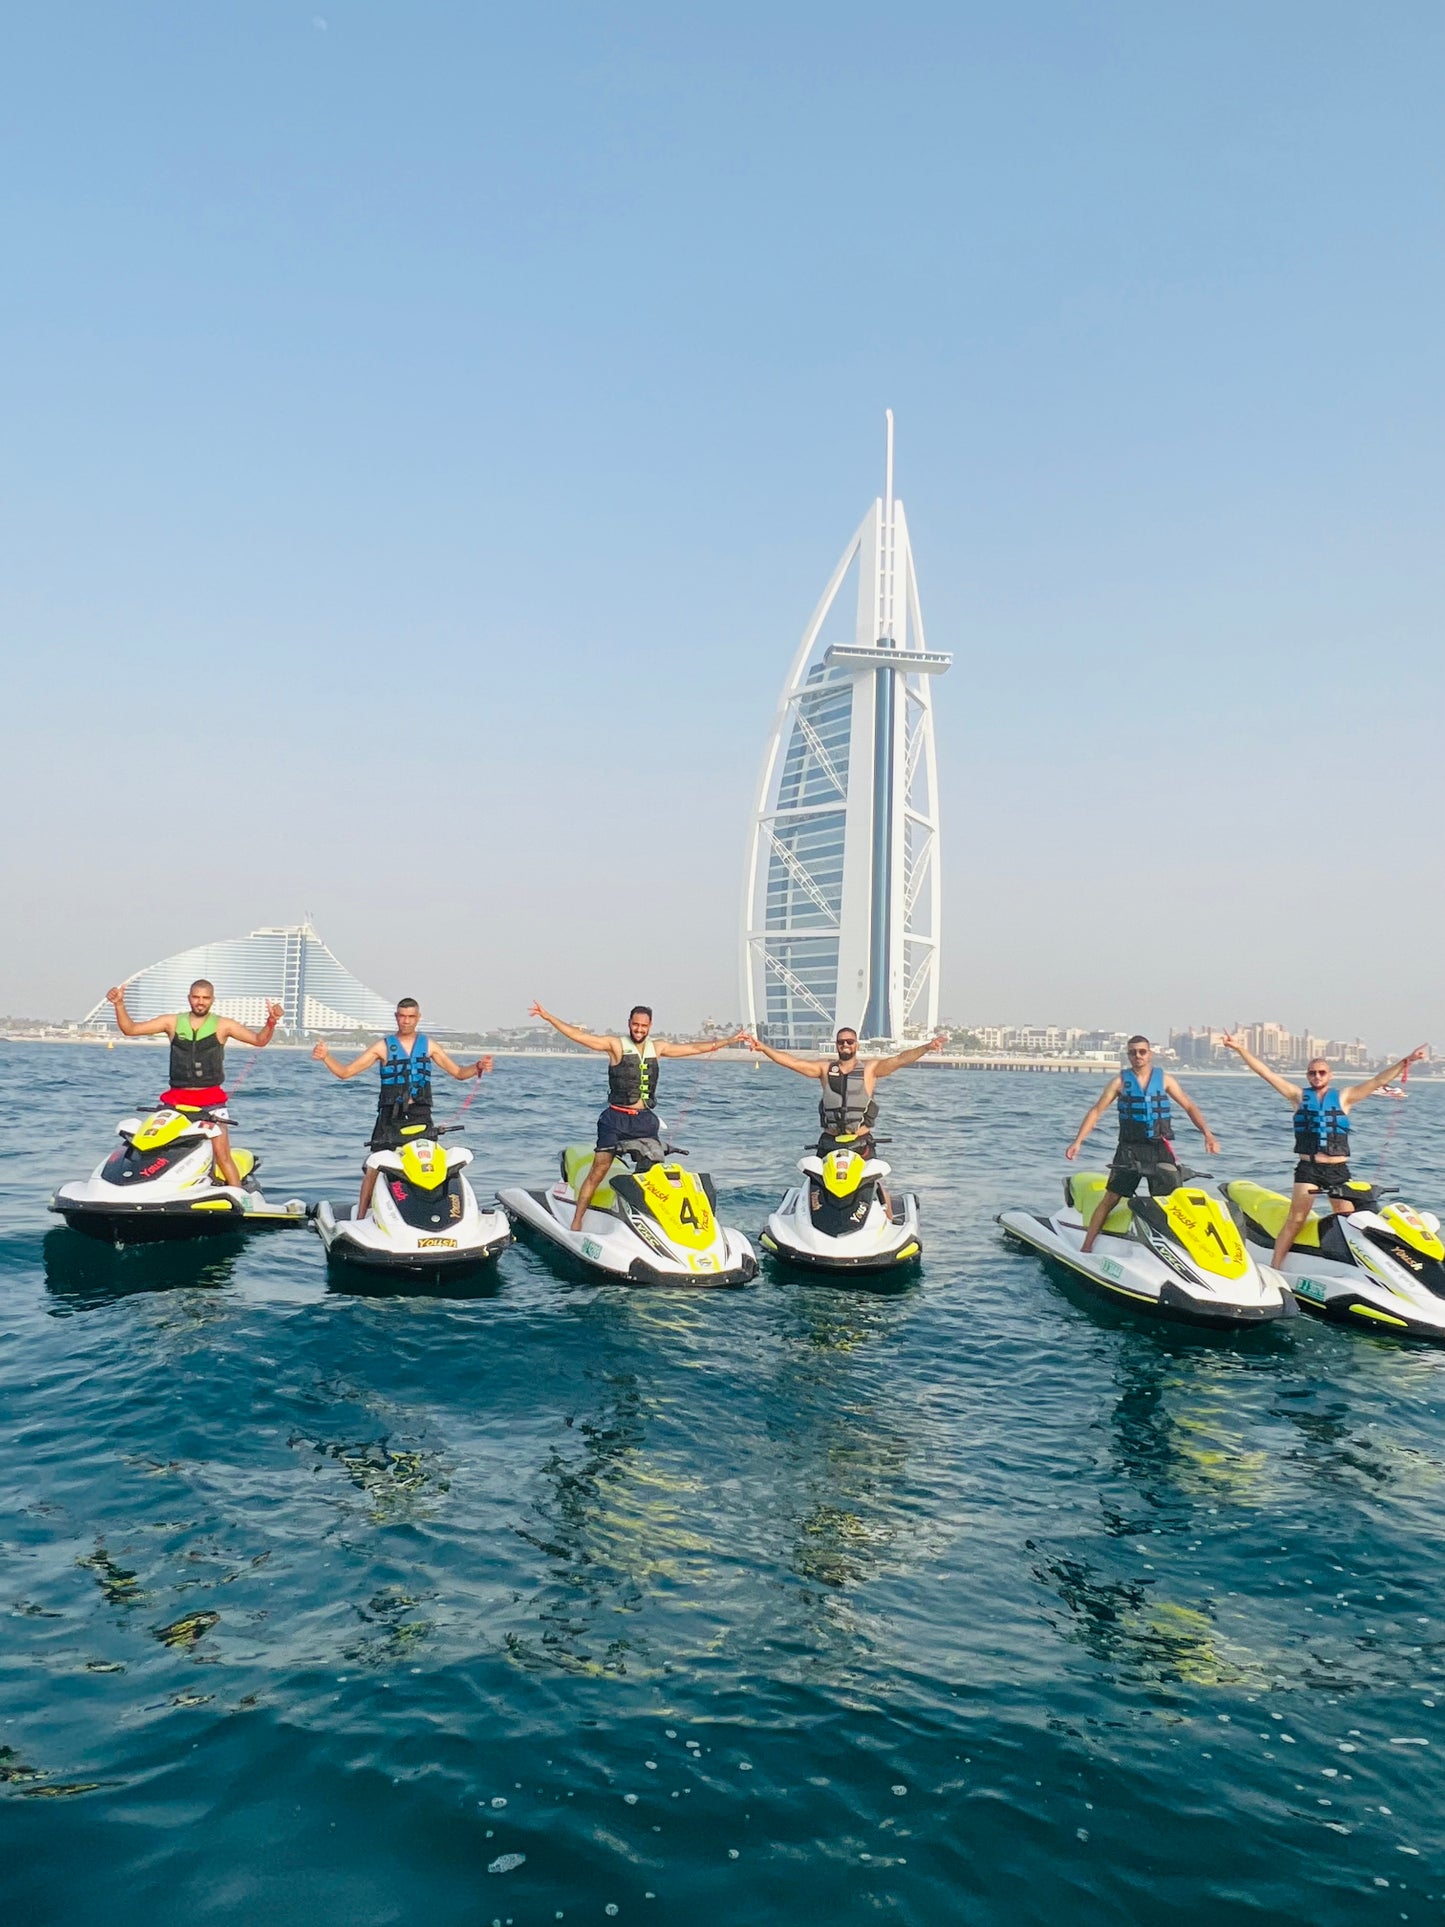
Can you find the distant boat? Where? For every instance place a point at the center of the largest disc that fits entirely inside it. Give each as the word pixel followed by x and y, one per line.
pixel 1391 1090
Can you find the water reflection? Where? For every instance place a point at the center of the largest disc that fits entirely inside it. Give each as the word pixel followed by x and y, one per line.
pixel 82 1273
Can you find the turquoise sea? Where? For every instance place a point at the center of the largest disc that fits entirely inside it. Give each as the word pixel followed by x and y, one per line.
pixel 973 1603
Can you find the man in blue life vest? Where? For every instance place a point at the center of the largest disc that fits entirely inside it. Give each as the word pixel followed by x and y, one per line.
pixel 632 1072
pixel 405 1103
pixel 198 1058
pixel 1143 1094
pixel 1321 1133
pixel 847 1107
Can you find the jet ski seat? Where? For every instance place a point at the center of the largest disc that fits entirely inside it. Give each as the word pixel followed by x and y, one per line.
pixel 245 1164
pixel 1083 1190
pixel 1266 1211
pixel 577 1162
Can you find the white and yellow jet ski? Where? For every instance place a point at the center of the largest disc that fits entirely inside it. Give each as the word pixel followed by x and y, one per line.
pixel 160 1182
pixel 1381 1269
pixel 836 1221
pixel 423 1218
pixel 656 1226
pixel 1182 1257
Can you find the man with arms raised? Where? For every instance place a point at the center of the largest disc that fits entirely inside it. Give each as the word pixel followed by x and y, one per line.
pixel 404 1107
pixel 1321 1133
pixel 629 1117
pixel 198 1054
pixel 1143 1094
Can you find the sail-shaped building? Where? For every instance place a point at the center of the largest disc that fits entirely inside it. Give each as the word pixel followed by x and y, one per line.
pixel 842 895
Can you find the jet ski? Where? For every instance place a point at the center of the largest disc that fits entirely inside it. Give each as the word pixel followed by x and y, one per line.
pixel 423 1216
pixel 1382 1268
pixel 160 1182
pixel 653 1226
pixel 1182 1257
pixel 836 1220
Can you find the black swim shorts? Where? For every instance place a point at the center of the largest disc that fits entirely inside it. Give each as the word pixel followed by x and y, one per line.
pixel 617 1128
pixel 1332 1179
pixel 1153 1163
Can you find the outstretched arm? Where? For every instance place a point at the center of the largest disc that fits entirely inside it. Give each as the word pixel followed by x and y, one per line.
pixel 1356 1093
pixel 703 1049
pixel 479 1069
pixel 804 1066
pixel 372 1055
pixel 127 1025
pixel 1192 1111
pixel 885 1066
pixel 611 1045
pixel 230 1032
pixel 1095 1111
pixel 1231 1040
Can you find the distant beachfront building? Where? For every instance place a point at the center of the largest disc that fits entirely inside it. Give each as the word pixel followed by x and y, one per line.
pixel 842 900
pixel 285 964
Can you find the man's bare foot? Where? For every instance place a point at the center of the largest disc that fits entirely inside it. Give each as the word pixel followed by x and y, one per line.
pixel 577 1219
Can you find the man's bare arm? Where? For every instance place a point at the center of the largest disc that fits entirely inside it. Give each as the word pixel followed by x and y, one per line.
pixel 1192 1111
pixel 612 1045
pixel 1357 1093
pixel 453 1069
pixel 230 1032
pixel 1095 1111
pixel 1232 1041
pixel 373 1054
pixel 127 1025
pixel 885 1066
pixel 704 1048
pixel 804 1066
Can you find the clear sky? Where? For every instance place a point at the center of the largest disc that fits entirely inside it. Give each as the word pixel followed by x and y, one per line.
pixel 427 428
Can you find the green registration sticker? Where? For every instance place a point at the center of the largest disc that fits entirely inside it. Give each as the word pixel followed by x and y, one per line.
pixel 1111 1269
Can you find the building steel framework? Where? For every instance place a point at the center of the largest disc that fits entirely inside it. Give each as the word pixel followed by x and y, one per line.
pixel 842 897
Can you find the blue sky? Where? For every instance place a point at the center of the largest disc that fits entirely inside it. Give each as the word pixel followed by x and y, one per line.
pixel 427 430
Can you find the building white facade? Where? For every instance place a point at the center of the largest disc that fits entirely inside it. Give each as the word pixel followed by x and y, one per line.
pixel 842 897
pixel 286 964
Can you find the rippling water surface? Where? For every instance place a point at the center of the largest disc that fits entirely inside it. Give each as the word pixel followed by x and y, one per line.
pixel 973 1603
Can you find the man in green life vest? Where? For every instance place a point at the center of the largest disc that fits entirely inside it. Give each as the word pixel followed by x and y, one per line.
pixel 198 1051
pixel 628 1118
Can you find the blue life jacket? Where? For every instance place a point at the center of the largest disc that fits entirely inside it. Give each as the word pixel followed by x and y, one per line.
pixel 1321 1125
pixel 1144 1111
pixel 406 1080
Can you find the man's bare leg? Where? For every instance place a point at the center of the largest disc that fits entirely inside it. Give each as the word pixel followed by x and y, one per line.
pixel 368 1185
pixel 221 1156
pixel 1301 1199
pixel 601 1164
pixel 1096 1223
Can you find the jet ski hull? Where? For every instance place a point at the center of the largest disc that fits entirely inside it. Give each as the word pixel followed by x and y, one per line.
pixel 1127 1273
pixel 883 1244
pixel 126 1221
pixel 608 1251
pixel 358 1243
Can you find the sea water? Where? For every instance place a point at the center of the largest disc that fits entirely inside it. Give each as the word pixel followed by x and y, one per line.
pixel 973 1601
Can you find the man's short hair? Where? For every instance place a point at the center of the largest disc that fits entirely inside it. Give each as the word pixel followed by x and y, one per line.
pixel 1140 1039
pixel 640 1010
pixel 844 1030
pixel 203 983
pixel 407 1003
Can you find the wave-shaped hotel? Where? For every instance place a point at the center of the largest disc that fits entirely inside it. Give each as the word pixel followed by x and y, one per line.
pixel 843 894
pixel 286 964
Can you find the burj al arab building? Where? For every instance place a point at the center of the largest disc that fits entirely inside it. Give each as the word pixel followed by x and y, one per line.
pixel 843 892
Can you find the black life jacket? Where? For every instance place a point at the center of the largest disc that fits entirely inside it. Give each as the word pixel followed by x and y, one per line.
pixel 406 1081
pixel 1145 1114
pixel 632 1082
pixel 845 1106
pixel 1321 1126
pixel 198 1057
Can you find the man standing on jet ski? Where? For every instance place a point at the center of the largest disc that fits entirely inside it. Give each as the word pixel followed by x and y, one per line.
pixel 847 1107
pixel 405 1105
pixel 1143 1094
pixel 198 1052
pixel 629 1118
pixel 1321 1133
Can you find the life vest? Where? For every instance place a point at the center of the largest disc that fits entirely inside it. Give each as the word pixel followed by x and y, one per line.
pixel 406 1081
pixel 632 1081
pixel 1145 1116
pixel 1321 1126
pixel 845 1105
pixel 198 1057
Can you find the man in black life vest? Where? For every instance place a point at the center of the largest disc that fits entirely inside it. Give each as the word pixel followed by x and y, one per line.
pixel 1321 1133
pixel 404 1108
pixel 631 1086
pixel 198 1051
pixel 847 1106
pixel 1145 1153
